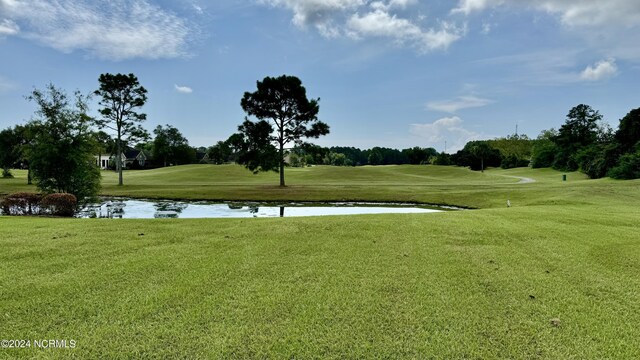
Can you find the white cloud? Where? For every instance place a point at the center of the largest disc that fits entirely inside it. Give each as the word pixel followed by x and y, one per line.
pixel 392 4
pixel 608 26
pixel 316 12
pixel 198 9
pixel 469 6
pixel 547 67
pixel 8 27
pixel 183 89
pixel 462 102
pixel 571 12
pixel 379 23
pixel 115 30
pixel 360 19
pixel 447 129
pixel 595 12
pixel 601 70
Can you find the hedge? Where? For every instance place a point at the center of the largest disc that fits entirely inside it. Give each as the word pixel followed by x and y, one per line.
pixel 59 204
pixel 22 203
pixel 25 203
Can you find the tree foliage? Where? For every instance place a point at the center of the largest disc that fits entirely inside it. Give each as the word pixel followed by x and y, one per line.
pixel 482 150
pixel 442 159
pixel 9 150
pixel 477 155
pixel 61 152
pixel 104 142
pixel 170 147
pixel 628 134
pixel 220 153
pixel 283 101
pixel 516 150
pixel 121 97
pixel 628 167
pixel 25 134
pixel 580 130
pixel 587 144
pixel 255 148
pixel 417 155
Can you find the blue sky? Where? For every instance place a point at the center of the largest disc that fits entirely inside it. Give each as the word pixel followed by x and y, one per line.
pixel 394 73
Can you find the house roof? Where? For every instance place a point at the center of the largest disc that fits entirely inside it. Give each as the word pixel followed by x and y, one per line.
pixel 131 153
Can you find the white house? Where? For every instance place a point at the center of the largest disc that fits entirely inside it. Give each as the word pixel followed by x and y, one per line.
pixel 102 161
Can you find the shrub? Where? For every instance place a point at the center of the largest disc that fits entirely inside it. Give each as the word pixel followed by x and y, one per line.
pixel 441 159
pixel 60 204
pixel 596 160
pixel 628 167
pixel 23 203
pixel 543 154
pixel 513 161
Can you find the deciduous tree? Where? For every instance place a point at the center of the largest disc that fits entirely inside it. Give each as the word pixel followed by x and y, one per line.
pixel 171 147
pixel 219 153
pixel 61 151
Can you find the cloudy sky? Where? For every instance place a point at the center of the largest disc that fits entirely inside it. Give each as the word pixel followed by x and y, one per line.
pixel 394 73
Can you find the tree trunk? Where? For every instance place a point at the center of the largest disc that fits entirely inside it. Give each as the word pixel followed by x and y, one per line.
pixel 281 157
pixel 119 158
pixel 29 176
pixel 482 165
pixel 281 164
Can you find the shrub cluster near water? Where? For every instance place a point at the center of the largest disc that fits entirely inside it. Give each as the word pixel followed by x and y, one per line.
pixel 25 203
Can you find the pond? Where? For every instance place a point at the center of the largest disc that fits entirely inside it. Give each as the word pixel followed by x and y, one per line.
pixel 149 209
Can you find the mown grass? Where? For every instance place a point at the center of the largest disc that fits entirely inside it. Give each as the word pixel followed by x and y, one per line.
pixel 422 184
pixel 470 284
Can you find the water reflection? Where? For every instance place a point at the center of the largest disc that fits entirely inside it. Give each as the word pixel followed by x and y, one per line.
pixel 148 209
pixel 165 210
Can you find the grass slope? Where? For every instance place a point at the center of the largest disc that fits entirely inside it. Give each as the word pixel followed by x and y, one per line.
pixel 423 184
pixel 443 185
pixel 470 284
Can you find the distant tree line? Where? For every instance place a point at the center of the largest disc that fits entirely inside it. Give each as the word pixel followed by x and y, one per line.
pixel 60 145
pixel 584 142
pixel 308 154
pixel 587 144
pixel 509 152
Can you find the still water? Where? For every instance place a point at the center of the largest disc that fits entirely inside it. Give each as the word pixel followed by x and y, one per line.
pixel 149 209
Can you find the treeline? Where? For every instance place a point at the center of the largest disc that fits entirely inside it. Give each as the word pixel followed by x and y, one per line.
pixel 508 152
pixel 587 144
pixel 63 144
pixel 309 154
pixel 584 142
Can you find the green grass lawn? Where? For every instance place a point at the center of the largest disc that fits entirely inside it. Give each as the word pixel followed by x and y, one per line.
pixel 471 284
